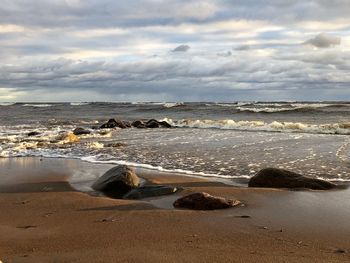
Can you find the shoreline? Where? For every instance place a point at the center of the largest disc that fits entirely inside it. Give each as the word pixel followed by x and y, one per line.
pixel 47 220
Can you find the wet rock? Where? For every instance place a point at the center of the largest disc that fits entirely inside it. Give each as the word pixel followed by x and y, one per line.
pixel 33 133
pixel 279 178
pixel 204 201
pixel 164 124
pixel 152 124
pixel 117 181
pixel 81 131
pixel 138 124
pixel 113 123
pixel 157 124
pixel 150 191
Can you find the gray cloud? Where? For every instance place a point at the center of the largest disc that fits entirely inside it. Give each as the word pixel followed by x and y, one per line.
pixel 240 49
pixel 181 48
pixel 324 41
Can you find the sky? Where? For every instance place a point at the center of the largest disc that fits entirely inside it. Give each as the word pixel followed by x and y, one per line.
pixel 174 50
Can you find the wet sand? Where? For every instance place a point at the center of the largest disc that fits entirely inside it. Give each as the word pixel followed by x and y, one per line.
pixel 45 219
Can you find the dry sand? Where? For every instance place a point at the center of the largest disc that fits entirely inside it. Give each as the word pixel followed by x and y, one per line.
pixel 43 219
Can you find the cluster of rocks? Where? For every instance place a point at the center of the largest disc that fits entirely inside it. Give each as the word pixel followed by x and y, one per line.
pixel 122 182
pixel 113 123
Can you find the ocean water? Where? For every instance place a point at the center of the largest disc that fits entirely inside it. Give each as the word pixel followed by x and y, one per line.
pixel 218 140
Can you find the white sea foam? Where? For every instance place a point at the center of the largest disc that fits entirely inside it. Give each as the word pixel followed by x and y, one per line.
pixel 37 105
pixel 79 103
pixel 335 128
pixel 172 104
pixel 266 109
pixel 7 103
pixel 94 159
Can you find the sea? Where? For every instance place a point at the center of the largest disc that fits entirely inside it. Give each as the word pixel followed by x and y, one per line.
pixel 223 141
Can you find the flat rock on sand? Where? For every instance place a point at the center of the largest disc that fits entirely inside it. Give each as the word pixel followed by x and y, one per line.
pixel 204 201
pixel 279 178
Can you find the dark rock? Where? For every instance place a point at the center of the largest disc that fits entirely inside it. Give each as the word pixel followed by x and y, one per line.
pixel 164 124
pixel 112 123
pixel 149 191
pixel 81 131
pixel 204 201
pixel 34 133
pixel 152 124
pixel 279 178
pixel 117 181
pixel 138 124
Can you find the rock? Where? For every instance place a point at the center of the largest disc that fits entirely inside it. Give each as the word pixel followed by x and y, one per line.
pixel 112 123
pixel 152 124
pixel 157 124
pixel 204 201
pixel 279 178
pixel 81 131
pixel 117 181
pixel 149 191
pixel 164 124
pixel 138 124
pixel 33 133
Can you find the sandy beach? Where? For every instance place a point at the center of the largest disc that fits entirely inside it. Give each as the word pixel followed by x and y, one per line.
pixel 44 219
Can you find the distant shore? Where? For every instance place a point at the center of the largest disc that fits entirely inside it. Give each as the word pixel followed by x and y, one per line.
pixel 45 219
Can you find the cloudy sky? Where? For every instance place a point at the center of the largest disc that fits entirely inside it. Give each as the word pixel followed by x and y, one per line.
pixel 174 50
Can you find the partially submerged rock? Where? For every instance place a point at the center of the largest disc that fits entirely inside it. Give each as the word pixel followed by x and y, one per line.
pixel 33 133
pixel 81 131
pixel 157 124
pixel 204 201
pixel 113 123
pixel 117 181
pixel 152 124
pixel 138 124
pixel 279 178
pixel 150 191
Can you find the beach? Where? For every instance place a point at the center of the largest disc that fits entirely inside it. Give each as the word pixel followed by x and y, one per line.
pixel 46 219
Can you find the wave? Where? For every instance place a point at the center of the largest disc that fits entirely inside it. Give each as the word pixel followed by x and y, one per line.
pixel 37 105
pixel 275 126
pixel 7 103
pixel 173 104
pixel 79 103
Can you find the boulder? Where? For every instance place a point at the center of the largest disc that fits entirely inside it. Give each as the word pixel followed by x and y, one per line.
pixel 33 133
pixel 127 124
pixel 150 191
pixel 138 124
pixel 152 124
pixel 279 178
pixel 81 131
pixel 204 201
pixel 117 181
pixel 112 123
pixel 164 124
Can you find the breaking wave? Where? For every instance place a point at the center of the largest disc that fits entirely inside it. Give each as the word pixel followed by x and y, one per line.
pixel 37 105
pixel 275 126
pixel 79 103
